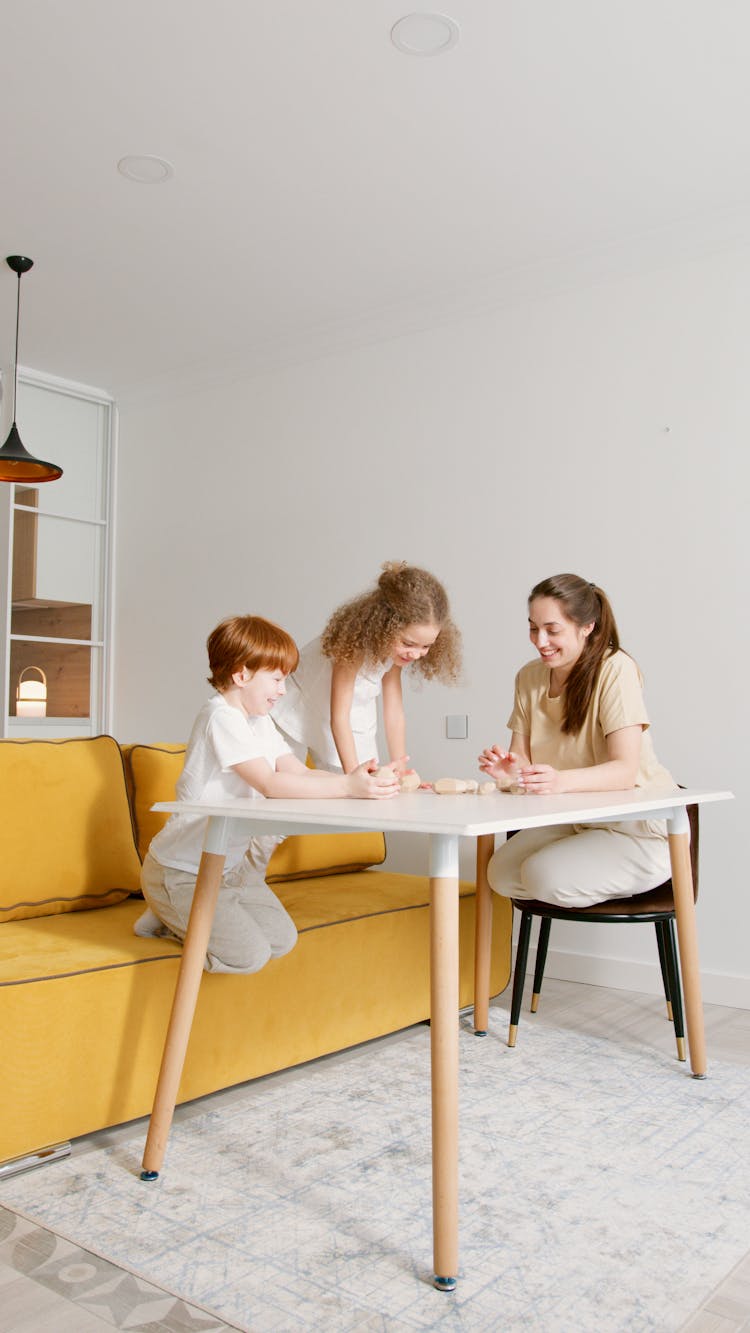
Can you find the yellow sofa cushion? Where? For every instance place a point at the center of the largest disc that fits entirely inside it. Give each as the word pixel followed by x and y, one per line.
pixel 93 941
pixel 308 855
pixel 68 841
pixel 85 1002
pixel 154 771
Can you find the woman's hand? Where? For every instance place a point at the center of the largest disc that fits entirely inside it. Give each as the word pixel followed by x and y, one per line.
pixel 541 780
pixel 372 783
pixel 497 763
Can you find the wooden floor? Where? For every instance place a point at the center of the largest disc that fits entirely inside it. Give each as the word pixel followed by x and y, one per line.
pixel 27 1307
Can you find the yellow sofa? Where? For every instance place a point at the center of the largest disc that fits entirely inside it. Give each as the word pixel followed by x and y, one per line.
pixel 84 1002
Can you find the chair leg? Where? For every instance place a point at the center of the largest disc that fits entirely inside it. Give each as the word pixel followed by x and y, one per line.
pixel 545 925
pixel 660 927
pixel 519 976
pixel 673 971
pixel 483 936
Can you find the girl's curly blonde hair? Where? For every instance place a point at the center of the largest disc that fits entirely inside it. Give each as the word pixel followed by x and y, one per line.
pixel 364 629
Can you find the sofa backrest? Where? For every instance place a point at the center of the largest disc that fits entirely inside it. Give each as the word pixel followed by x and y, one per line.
pixel 68 841
pixel 153 774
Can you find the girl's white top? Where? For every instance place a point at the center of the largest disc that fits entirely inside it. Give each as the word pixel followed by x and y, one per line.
pixel 304 712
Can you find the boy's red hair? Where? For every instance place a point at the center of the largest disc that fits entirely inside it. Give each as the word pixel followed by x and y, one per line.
pixel 252 642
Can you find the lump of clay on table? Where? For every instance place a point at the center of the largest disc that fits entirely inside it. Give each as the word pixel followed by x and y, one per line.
pixel 407 781
pixel 450 786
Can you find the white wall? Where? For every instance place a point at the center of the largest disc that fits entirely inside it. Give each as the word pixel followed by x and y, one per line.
pixel 604 431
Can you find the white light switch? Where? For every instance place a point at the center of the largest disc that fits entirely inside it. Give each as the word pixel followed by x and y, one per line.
pixel 457 726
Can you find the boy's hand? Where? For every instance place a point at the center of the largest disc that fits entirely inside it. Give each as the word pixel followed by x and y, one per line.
pixel 372 783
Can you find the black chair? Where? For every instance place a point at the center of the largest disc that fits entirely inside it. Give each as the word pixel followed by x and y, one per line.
pixel 656 905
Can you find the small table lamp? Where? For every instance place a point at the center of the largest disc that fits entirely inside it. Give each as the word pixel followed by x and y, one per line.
pixel 31 695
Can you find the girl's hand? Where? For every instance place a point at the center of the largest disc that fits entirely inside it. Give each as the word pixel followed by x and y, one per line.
pixel 401 766
pixel 498 763
pixel 541 780
pixel 372 783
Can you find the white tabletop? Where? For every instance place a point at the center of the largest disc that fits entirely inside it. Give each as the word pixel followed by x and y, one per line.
pixel 466 816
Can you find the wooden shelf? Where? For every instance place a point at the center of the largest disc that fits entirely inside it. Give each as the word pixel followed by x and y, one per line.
pixel 66 666
pixel 41 604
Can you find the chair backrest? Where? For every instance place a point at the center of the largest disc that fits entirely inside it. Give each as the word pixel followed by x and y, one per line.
pixel 692 811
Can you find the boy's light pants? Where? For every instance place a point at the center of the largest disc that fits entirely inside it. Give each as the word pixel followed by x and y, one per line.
pixel 250 925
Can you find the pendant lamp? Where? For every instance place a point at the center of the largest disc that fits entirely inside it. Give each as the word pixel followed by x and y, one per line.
pixel 16 463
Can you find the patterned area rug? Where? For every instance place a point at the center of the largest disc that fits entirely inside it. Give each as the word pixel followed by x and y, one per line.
pixel 602 1189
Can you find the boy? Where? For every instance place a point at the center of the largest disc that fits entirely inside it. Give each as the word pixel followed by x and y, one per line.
pixel 235 751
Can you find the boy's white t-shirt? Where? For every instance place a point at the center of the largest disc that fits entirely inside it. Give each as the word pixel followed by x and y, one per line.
pixel 221 736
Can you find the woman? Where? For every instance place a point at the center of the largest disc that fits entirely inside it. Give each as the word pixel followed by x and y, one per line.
pixel 578 724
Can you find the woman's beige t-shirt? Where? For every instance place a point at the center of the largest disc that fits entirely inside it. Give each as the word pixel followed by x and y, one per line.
pixel 617 702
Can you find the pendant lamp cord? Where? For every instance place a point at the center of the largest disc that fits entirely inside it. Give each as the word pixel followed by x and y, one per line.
pixel 15 362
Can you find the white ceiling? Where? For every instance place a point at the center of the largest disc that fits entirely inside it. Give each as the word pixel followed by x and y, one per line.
pixel 329 188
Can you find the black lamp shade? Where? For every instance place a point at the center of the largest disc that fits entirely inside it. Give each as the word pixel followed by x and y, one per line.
pixel 17 464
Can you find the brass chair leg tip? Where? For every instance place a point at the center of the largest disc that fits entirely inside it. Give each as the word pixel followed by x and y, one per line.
pixel 512 1030
pixel 670 1015
pixel 534 1002
pixel 680 1048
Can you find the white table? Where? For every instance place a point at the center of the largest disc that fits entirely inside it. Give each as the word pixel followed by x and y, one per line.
pixel 445 819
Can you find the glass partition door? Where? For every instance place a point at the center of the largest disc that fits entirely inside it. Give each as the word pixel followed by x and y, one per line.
pixel 56 654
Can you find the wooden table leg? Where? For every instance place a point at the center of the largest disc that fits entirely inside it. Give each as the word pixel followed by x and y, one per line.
pixel 687 938
pixel 189 977
pixel 483 936
pixel 444 1053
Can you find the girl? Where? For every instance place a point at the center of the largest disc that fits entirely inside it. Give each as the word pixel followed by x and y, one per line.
pixel 235 751
pixel 579 723
pixel 330 708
